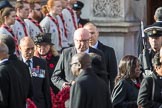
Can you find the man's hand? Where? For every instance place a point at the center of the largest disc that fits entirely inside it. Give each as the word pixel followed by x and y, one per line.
pixel 66 84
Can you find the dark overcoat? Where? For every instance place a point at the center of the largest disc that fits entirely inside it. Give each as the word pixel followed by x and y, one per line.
pixel 89 91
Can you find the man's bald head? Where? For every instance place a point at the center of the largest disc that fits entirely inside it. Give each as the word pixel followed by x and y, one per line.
pixel 81 40
pixel 9 41
pixel 26 40
pixel 81 33
pixel 26 47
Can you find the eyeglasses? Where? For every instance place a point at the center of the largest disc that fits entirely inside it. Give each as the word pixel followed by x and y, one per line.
pixel 39 9
pixel 73 63
pixel 83 41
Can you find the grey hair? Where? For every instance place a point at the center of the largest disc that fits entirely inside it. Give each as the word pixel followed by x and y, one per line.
pixel 158 14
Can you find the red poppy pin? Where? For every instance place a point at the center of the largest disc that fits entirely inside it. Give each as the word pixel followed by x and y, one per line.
pixel 51 65
pixel 138 85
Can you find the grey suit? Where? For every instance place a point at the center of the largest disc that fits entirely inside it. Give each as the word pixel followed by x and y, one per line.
pixel 62 72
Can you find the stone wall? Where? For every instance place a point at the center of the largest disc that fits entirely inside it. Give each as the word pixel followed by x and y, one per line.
pixel 118 22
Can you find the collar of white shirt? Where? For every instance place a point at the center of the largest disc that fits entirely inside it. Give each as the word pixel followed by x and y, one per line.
pixel 1 61
pixel 24 60
pixel 95 46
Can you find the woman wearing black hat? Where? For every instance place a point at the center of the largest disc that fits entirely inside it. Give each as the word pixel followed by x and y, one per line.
pixel 46 50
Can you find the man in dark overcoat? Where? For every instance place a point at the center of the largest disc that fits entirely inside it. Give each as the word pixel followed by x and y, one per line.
pixel 38 72
pixel 109 53
pixel 21 72
pixel 88 90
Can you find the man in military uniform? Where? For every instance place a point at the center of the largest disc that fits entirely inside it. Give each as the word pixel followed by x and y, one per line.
pixel 154 33
pixel 78 8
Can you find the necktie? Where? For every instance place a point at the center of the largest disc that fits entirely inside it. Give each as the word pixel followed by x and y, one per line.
pixel 28 63
pixel 29 66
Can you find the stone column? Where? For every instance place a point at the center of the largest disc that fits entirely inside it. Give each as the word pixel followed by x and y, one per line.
pixel 118 22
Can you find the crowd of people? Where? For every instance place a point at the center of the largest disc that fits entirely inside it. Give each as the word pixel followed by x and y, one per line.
pixel 50 57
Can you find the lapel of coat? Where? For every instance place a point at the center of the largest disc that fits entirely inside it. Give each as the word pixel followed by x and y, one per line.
pixel 100 45
pixel 73 51
pixel 34 62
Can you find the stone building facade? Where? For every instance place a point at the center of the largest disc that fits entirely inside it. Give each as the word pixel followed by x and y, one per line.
pixel 118 22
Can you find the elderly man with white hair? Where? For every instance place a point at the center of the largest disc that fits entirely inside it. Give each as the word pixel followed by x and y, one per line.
pixel 62 76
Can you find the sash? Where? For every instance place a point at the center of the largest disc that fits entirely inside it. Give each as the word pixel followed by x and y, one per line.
pixel 72 14
pixel 63 21
pixel 23 24
pixel 58 28
pixel 14 37
pixel 36 23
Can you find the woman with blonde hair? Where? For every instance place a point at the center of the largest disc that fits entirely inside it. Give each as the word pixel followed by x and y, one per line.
pixel 44 49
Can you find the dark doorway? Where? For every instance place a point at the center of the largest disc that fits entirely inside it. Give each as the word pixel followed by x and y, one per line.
pixel 152 5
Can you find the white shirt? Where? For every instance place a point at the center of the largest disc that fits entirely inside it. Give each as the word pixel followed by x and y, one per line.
pixel 1 61
pixel 31 63
pixel 95 46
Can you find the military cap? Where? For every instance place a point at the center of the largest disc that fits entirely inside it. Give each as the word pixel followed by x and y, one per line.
pixel 4 3
pixel 153 31
pixel 78 5
pixel 43 37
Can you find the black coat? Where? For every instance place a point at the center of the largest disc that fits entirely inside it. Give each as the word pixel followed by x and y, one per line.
pixel 51 64
pixel 13 92
pixel 146 62
pixel 89 91
pixel 124 94
pixel 40 84
pixel 157 24
pixel 62 72
pixel 82 22
pixel 111 63
pixel 146 97
pixel 25 77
